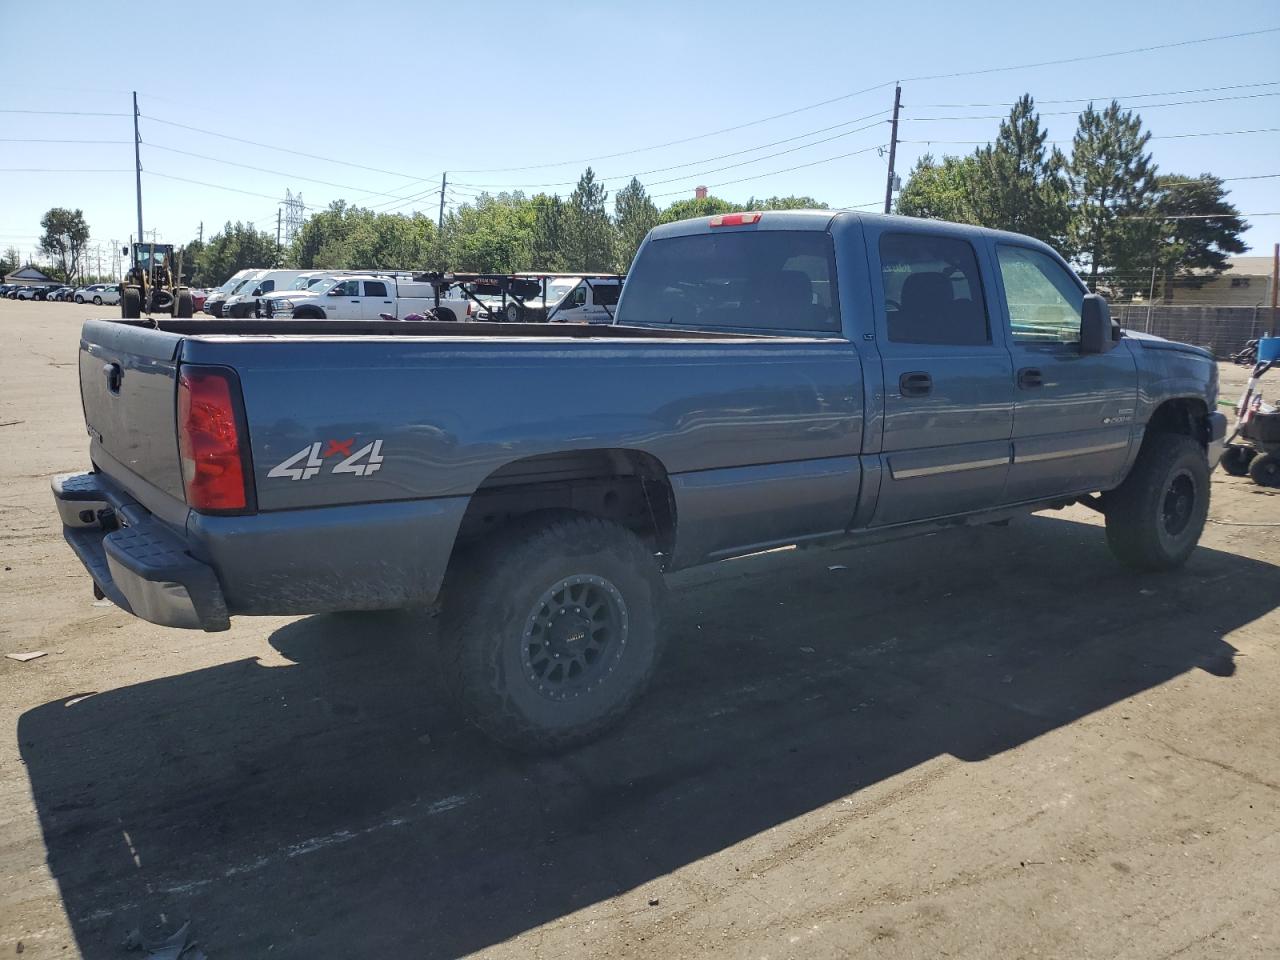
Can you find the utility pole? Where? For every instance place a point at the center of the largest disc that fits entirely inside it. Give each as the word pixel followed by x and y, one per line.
pixel 202 233
pixel 444 183
pixel 893 148
pixel 279 221
pixel 137 161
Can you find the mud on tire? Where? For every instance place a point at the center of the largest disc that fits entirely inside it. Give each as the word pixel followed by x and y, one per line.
pixel 552 630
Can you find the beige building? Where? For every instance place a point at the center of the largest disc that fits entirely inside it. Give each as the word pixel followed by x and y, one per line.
pixel 1246 284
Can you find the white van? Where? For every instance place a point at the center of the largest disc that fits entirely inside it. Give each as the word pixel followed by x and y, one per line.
pixel 213 303
pixel 243 303
pixel 571 299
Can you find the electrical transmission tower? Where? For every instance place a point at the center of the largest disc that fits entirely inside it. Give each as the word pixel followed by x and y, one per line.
pixel 294 215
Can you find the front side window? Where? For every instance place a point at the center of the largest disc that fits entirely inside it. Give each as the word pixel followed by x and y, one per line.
pixel 347 288
pixel 1044 301
pixel 932 290
pixel 755 280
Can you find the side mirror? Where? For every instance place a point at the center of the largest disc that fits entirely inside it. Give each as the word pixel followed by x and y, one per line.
pixel 125 251
pixel 1097 333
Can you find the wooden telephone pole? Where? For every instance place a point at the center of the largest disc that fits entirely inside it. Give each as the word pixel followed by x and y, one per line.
pixel 893 149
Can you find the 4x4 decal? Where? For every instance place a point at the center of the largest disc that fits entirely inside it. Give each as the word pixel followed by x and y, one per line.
pixel 311 460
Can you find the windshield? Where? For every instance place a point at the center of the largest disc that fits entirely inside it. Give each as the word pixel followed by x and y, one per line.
pixel 315 283
pixel 231 284
pixel 557 289
pixel 247 280
pixel 306 282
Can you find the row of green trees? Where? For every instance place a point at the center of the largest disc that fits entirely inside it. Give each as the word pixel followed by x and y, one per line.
pixel 1107 206
pixel 495 233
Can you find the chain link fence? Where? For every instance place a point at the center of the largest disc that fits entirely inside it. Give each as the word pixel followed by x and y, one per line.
pixel 1224 330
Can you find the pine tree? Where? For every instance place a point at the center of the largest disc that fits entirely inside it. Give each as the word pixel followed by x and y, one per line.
pixel 1113 183
pixel 1199 227
pixel 635 215
pixel 1017 185
pixel 590 240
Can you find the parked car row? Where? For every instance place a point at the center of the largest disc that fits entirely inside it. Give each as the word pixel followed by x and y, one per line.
pixel 96 293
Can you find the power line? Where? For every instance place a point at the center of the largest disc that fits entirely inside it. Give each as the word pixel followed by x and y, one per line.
pixel 1154 136
pixel 68 113
pixel 881 86
pixel 299 153
pixel 61 170
pixel 1140 106
pixel 760 176
pixel 702 173
pixel 34 140
pixel 1201 216
pixel 204 183
pixel 1127 96
pixel 278 173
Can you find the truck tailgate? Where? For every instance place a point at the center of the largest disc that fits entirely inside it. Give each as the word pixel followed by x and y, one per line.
pixel 128 385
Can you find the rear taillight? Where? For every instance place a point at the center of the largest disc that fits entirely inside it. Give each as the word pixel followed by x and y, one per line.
pixel 209 441
pixel 735 219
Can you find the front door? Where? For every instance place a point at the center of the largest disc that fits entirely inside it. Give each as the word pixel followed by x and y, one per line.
pixel 948 386
pixel 343 302
pixel 1073 417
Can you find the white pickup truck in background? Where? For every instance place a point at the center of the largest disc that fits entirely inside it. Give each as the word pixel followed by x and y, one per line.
pixel 366 298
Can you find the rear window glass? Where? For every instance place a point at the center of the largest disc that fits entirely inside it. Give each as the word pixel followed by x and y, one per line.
pixel 764 280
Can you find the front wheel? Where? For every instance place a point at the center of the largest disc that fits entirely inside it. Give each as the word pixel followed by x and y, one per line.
pixel 553 630
pixel 1265 470
pixel 513 312
pixel 97 301
pixel 131 303
pixel 1155 518
pixel 184 308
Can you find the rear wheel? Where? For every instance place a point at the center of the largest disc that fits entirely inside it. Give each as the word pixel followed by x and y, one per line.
pixel 131 303
pixel 97 300
pixel 185 306
pixel 553 630
pixel 444 313
pixel 1265 470
pixel 1154 518
pixel 1235 460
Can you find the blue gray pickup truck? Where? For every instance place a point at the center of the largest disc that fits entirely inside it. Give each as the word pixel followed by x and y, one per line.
pixel 773 379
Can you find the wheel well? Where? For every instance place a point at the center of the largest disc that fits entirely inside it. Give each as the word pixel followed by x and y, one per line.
pixel 304 313
pixel 627 487
pixel 1185 415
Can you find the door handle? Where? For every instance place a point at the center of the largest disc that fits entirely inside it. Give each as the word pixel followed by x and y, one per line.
pixel 915 384
pixel 1029 378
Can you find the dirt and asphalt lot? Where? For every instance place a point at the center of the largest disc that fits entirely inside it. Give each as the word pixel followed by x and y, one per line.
pixel 990 743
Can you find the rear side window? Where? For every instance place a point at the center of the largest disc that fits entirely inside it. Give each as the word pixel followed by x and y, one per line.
pixel 1044 300
pixel 605 294
pixel 932 290
pixel 375 288
pixel 764 280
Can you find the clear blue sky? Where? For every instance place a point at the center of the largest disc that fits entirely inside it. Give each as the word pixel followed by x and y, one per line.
pixel 418 88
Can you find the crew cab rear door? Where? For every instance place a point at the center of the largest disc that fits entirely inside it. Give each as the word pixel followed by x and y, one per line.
pixel 948 384
pixel 377 300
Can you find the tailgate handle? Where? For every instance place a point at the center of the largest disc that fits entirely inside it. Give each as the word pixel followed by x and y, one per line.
pixel 114 374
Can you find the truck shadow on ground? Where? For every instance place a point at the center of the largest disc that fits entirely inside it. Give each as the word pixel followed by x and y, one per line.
pixel 335 807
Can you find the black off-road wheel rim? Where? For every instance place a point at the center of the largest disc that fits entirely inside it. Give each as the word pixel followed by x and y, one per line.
pixel 574 637
pixel 1179 504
